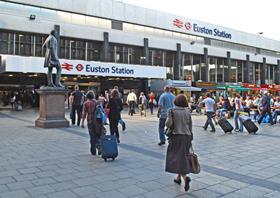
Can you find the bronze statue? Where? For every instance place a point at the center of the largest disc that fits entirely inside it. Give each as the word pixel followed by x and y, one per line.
pixel 52 60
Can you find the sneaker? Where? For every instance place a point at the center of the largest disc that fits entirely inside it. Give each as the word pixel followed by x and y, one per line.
pixel 236 130
pixel 204 128
pixel 161 143
pixel 213 131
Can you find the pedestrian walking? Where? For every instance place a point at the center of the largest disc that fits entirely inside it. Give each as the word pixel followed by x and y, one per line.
pixel 180 141
pixel 166 102
pixel 152 102
pixel 115 106
pixel 238 108
pixel 77 103
pixel 131 101
pixel 121 121
pixel 95 129
pixel 142 104
pixel 210 108
pixel 266 109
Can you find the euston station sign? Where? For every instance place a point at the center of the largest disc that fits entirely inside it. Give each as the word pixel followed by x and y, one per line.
pixel 188 26
pixel 79 67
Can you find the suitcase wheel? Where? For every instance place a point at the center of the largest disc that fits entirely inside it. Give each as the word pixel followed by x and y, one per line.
pixel 113 158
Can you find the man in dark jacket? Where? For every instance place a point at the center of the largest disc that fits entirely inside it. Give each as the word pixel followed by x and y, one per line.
pixel 77 104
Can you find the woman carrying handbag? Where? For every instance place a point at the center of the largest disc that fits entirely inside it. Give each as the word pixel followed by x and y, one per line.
pixel 179 124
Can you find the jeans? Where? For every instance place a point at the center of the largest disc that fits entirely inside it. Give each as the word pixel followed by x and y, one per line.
pixel 275 114
pixel 264 112
pixel 256 113
pixel 236 119
pixel 94 140
pixel 209 121
pixel 161 129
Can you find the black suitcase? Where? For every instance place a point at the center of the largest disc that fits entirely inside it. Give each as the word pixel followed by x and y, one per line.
pixel 249 124
pixel 109 147
pixel 225 125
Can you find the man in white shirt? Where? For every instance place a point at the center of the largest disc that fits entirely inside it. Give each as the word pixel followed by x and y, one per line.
pixel 131 101
pixel 210 108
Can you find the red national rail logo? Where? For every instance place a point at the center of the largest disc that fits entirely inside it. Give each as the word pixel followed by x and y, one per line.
pixel 178 23
pixel 67 66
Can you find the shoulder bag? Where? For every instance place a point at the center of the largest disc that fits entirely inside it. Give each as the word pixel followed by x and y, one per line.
pixel 169 130
pixel 193 161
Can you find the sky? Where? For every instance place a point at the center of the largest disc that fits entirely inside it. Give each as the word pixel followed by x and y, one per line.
pixel 251 16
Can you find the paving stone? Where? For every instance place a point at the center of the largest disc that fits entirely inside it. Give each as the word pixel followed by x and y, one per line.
pixel 20 185
pixel 62 194
pixel 15 194
pixel 40 190
pixel 6 180
pixel 86 190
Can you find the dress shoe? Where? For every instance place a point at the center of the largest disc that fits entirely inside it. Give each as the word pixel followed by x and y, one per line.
pixel 161 143
pixel 187 183
pixel 177 181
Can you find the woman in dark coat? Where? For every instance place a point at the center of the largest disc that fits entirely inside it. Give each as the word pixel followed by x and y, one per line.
pixel 180 140
pixel 115 106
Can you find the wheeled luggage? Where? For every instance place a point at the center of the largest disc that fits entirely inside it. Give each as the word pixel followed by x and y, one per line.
pixel 225 125
pixel 109 147
pixel 250 126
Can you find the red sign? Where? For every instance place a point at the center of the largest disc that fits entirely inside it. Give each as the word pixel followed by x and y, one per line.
pixel 248 85
pixel 178 23
pixel 67 66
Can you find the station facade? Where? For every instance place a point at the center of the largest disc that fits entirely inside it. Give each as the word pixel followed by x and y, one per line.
pixel 106 42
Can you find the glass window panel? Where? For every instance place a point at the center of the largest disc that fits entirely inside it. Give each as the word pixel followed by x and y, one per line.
pixel 128 27
pixel 233 72
pixel 220 70
pixel 139 28
pixel 197 67
pixel 212 69
pixel 240 65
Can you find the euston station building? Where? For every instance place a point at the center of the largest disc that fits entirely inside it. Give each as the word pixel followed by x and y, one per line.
pixel 107 42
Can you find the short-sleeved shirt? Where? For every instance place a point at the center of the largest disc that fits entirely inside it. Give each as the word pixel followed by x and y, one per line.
pixel 166 101
pixel 209 104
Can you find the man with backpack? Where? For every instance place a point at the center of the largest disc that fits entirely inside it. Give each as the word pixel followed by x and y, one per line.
pixel 77 104
pixel 93 113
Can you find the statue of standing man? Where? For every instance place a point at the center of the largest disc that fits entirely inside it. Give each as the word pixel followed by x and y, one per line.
pixel 52 60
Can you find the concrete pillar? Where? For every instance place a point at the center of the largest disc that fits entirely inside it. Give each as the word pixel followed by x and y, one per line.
pixel 263 71
pixel 205 70
pixel 146 51
pixel 57 30
pixel 105 48
pixel 277 73
pixel 178 63
pixel 246 69
pixel 227 72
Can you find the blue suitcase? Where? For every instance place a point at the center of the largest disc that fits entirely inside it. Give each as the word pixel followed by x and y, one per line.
pixel 109 147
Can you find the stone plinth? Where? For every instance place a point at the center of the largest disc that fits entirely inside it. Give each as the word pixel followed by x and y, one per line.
pixel 52 108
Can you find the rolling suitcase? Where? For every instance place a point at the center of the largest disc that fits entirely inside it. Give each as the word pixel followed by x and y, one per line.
pixel 250 126
pixel 109 147
pixel 225 125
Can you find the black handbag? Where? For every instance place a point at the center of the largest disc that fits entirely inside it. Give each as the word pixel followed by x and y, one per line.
pixel 169 130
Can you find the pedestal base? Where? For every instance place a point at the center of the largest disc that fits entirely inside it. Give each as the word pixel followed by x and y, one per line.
pixel 52 108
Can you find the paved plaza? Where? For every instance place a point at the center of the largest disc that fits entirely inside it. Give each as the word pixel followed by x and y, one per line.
pixel 53 163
